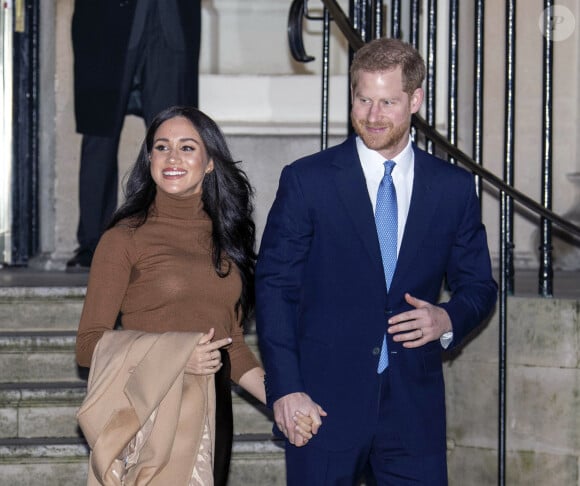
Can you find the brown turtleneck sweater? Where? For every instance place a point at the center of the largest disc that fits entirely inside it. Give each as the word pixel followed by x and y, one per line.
pixel 160 276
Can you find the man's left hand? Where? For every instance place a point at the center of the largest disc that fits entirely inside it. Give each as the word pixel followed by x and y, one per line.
pixel 425 323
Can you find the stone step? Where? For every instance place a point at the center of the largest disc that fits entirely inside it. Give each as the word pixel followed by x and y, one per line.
pixel 257 459
pixel 43 410
pixel 33 356
pixel 40 410
pixel 40 308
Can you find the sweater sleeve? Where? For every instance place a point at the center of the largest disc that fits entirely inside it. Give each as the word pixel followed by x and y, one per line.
pixel 108 281
pixel 241 356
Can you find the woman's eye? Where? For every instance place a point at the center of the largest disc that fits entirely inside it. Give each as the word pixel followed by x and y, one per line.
pixel 187 148
pixel 160 147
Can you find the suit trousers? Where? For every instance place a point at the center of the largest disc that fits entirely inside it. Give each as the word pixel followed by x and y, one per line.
pixel 380 460
pixel 156 77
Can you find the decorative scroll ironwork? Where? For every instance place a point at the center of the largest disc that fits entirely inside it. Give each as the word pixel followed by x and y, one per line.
pixel 295 40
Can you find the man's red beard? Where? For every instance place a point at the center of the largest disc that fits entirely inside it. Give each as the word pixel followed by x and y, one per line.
pixel 387 140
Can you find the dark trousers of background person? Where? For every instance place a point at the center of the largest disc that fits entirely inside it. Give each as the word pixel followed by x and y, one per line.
pixel 155 78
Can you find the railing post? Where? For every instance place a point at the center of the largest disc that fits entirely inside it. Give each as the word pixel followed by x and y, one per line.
pixel 396 19
pixel 431 67
pixel 361 20
pixel 478 88
pixel 508 168
pixel 325 78
pixel 414 23
pixel 502 361
pixel 354 16
pixel 506 244
pixel 377 19
pixel 452 73
pixel 546 271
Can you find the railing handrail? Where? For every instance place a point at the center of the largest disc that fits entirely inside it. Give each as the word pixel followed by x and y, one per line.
pixel 461 157
pixel 356 42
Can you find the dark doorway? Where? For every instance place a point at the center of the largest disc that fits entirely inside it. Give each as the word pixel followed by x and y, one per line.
pixel 23 236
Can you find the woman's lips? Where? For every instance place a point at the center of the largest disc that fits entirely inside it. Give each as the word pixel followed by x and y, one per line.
pixel 171 173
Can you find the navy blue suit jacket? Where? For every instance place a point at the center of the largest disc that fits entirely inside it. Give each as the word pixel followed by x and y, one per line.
pixel 322 304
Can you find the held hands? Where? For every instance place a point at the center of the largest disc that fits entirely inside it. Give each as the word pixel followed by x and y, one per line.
pixel 206 357
pixel 425 323
pixel 303 428
pixel 298 417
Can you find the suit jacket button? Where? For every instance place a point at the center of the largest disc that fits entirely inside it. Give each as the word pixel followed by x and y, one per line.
pixel 376 351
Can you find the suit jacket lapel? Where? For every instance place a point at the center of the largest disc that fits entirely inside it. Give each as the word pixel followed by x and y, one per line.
pixel 421 212
pixel 352 189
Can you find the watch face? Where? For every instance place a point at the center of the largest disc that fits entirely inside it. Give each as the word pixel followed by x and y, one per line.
pixel 446 339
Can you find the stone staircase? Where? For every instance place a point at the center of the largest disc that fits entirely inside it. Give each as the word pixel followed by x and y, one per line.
pixel 41 388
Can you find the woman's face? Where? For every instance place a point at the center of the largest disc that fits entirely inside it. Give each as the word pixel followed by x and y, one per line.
pixel 179 160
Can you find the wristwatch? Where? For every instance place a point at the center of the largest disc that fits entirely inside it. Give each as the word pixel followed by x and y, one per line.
pixel 446 339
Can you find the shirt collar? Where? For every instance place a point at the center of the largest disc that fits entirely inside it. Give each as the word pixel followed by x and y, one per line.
pixel 371 158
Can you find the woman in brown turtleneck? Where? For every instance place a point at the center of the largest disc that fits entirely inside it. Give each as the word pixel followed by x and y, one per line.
pixel 179 256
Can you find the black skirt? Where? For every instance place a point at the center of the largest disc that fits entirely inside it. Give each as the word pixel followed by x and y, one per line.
pixel 224 426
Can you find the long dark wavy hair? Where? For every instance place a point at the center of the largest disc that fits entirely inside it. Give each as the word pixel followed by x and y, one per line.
pixel 226 196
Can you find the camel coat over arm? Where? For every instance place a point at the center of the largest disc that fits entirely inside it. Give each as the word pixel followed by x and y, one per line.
pixel 133 375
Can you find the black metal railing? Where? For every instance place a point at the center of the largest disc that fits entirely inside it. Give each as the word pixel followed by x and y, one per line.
pixel 364 23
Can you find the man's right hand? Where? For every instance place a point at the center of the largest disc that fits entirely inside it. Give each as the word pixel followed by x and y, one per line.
pixel 287 411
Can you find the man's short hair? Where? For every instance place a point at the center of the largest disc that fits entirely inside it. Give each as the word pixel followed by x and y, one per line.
pixel 386 54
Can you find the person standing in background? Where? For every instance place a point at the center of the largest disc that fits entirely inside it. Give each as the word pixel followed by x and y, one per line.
pixel 130 57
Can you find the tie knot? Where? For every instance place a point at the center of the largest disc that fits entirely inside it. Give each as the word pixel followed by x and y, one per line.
pixel 389 166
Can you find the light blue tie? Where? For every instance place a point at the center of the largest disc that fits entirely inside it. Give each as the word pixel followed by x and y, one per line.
pixel 386 221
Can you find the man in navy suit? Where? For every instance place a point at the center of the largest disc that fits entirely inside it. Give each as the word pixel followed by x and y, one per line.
pixel 326 310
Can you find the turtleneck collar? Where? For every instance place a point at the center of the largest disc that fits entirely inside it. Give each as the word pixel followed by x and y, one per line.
pixel 187 208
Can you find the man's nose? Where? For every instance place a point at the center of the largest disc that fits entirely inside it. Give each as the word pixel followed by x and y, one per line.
pixel 374 112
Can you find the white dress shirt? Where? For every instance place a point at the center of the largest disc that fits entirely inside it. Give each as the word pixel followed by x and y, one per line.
pixel 374 170
pixel 403 173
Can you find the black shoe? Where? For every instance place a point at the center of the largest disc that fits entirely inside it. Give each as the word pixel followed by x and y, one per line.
pixel 80 262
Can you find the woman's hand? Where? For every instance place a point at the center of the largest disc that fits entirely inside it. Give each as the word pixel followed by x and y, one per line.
pixel 303 427
pixel 206 357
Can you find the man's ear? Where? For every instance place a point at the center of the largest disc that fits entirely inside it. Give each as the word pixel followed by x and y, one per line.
pixel 416 100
